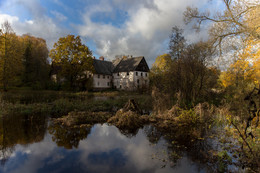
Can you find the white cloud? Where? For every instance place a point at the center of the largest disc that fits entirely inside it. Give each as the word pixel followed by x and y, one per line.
pixel 144 32
pixel 10 19
pixel 44 27
pixel 59 16
pixel 39 24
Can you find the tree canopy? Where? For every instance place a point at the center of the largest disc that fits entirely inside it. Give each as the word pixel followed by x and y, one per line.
pixel 74 58
pixel 10 56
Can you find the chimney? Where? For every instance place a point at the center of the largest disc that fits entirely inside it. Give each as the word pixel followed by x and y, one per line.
pixel 101 58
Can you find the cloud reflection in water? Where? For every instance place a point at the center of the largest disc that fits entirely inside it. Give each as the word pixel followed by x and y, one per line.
pixel 105 149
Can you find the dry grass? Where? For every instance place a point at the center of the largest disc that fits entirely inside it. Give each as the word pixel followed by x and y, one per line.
pixel 128 120
pixel 79 118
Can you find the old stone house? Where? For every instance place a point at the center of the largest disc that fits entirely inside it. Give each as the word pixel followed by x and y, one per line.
pixel 124 73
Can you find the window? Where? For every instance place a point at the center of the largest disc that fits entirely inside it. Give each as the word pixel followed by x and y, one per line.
pixel 89 76
pixel 127 73
pixel 104 76
pixel 108 84
pixel 118 74
pixel 108 77
pixel 136 73
pixel 141 74
pixel 146 74
pixel 120 86
pixel 137 81
pixel 98 76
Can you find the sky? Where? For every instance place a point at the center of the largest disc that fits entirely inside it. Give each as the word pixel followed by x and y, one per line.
pixel 107 27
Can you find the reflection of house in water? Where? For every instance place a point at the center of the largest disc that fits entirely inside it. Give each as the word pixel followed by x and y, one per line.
pixel 123 73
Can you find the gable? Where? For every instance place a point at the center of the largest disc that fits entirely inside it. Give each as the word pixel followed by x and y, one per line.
pixel 132 64
pixel 142 66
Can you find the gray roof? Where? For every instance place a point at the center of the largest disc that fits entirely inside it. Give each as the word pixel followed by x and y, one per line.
pixel 128 64
pixel 116 61
pixel 120 65
pixel 103 67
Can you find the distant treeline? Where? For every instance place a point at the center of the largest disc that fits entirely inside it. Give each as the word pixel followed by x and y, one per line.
pixel 23 60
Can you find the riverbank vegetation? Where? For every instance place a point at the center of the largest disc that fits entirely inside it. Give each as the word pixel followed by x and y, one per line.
pixel 188 76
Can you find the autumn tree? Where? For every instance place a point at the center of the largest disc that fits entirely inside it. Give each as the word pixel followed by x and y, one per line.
pixel 36 65
pixel 160 73
pixel 188 79
pixel 10 56
pixel 162 63
pixel 74 59
pixel 244 69
pixel 194 75
pixel 237 28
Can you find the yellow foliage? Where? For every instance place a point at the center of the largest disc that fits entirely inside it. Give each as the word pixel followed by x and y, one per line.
pixel 162 62
pixel 247 65
pixel 73 57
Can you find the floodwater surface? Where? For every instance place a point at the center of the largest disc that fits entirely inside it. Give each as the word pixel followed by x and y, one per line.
pixel 35 144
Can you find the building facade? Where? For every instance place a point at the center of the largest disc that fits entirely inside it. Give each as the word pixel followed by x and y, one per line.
pixel 124 73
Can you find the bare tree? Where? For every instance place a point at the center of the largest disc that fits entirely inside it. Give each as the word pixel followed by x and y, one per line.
pixel 232 22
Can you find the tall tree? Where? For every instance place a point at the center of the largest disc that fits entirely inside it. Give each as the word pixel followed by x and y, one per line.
pixel 35 61
pixel 177 42
pixel 10 55
pixel 188 79
pixel 192 84
pixel 177 45
pixel 74 58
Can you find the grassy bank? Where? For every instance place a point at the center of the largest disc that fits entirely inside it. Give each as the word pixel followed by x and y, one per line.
pixel 57 103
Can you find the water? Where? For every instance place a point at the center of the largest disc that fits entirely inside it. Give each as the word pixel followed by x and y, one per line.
pixel 35 144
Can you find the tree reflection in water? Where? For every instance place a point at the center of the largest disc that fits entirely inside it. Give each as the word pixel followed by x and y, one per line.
pixel 68 137
pixel 150 148
pixel 20 129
